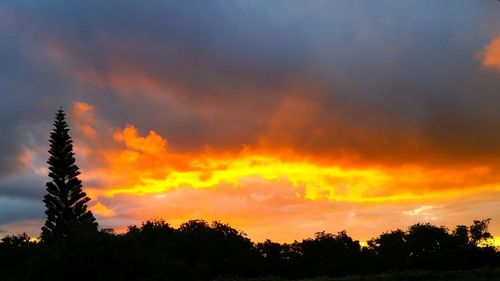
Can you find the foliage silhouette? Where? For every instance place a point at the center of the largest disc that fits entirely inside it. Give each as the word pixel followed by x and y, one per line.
pixel 391 249
pixel 198 250
pixel 479 231
pixel 65 200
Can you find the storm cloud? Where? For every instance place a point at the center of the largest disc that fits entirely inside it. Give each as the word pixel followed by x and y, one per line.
pixel 373 84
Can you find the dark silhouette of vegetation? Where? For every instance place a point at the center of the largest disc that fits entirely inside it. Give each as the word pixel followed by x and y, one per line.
pixel 71 247
pixel 197 250
pixel 65 200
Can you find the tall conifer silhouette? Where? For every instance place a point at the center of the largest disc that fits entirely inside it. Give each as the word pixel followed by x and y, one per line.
pixel 65 200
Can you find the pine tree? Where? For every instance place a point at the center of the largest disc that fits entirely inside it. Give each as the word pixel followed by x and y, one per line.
pixel 65 200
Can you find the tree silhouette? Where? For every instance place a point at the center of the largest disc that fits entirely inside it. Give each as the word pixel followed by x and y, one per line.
pixel 199 251
pixel 391 248
pixel 479 231
pixel 65 201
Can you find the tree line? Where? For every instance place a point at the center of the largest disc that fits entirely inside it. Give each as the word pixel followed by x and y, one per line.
pixel 72 247
pixel 197 250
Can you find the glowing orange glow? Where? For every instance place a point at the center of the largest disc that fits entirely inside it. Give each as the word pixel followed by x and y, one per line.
pixel 281 128
pixel 319 182
pixel 141 177
pixel 145 166
pixel 102 210
pixel 491 56
pixel 81 108
pixel 496 241
pixel 150 144
pixel 83 114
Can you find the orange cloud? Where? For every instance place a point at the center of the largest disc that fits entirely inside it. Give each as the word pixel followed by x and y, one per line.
pixel 83 115
pixel 265 209
pixel 102 210
pixel 150 144
pixel 280 194
pixel 145 166
pixel 490 57
pixel 300 113
pixel 306 137
pixel 82 108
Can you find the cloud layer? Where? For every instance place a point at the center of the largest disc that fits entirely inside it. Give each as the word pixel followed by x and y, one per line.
pixel 270 116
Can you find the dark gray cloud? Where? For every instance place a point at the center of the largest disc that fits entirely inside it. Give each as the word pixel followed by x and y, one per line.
pixel 31 86
pixel 17 208
pixel 200 72
pixel 25 186
pixel 391 82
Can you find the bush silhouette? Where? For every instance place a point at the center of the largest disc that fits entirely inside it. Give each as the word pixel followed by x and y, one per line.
pixel 198 250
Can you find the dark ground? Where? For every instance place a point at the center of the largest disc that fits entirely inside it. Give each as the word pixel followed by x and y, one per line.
pixel 487 274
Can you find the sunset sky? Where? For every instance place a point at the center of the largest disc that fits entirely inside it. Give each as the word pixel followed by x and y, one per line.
pixel 281 118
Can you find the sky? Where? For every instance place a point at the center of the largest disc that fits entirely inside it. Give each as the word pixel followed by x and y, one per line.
pixel 280 118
